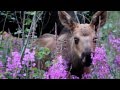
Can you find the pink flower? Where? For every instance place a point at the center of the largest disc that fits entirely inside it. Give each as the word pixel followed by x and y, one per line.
pixel 57 70
pixel 101 68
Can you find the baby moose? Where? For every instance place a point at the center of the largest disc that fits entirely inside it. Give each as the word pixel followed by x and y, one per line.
pixel 77 44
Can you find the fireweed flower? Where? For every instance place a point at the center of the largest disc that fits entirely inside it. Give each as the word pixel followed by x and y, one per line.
pixel 115 42
pixel 74 77
pixel 13 62
pixel 14 65
pixel 57 70
pixel 101 65
pixel 28 61
pixel 28 57
pixel 87 76
pixel 101 68
pixel 117 62
pixel 99 54
pixel 1 64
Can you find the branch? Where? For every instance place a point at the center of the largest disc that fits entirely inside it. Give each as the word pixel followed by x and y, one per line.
pixel 23 33
pixel 32 27
pixel 75 12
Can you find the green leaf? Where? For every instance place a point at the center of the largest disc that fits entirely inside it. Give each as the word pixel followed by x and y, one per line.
pixel 27 30
pixel 18 32
pixel 41 74
pixel 1 48
pixel 42 71
pixel 34 69
pixel 105 26
pixel 110 25
pixel 47 63
pixel 47 51
pixel 35 75
pixel 28 21
pixel 30 13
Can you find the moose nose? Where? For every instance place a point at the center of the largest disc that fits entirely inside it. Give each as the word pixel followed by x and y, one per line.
pixel 87 51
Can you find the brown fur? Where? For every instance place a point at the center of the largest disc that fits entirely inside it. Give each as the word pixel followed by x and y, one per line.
pixel 46 40
pixel 78 54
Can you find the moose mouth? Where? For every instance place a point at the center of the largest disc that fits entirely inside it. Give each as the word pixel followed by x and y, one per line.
pixel 86 59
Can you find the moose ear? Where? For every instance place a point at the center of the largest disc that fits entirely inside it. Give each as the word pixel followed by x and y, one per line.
pixel 66 20
pixel 99 19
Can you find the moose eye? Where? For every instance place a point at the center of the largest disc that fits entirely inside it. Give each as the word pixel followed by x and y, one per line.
pixel 94 40
pixel 76 40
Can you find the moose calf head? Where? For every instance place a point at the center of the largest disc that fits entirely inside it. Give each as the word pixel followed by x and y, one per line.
pixel 83 36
